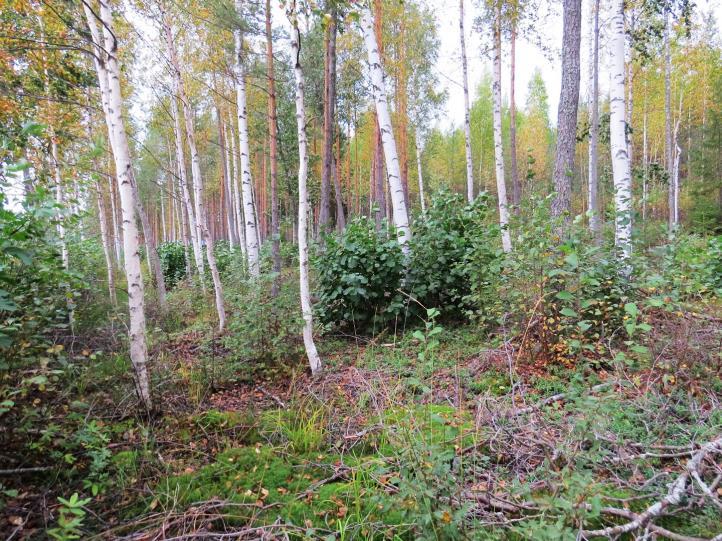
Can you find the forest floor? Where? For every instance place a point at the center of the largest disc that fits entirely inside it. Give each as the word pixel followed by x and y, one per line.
pixel 473 439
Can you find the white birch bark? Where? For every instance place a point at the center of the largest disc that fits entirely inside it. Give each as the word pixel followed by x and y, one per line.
pixel 498 145
pixel 164 232
pixel 393 173
pixel 105 239
pixel 186 193
pixel 618 140
pixel 595 223
pixel 225 156
pixel 117 233
pixel 249 212
pixel 109 78
pixel 311 352
pixel 201 218
pixel 467 113
pixel 419 173
pixel 237 207
pixel 668 144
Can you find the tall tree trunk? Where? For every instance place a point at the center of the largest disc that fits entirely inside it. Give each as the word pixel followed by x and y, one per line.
pixel 420 174
pixel 668 146
pixel 311 352
pixel 108 70
pixel 201 218
pixel 396 189
pixel 595 219
pixel 240 221
pixel 105 239
pixel 340 212
pixel 618 140
pixel 273 149
pixel 117 240
pixel 515 183
pixel 467 115
pixel 185 190
pixel 645 155
pixel 150 245
pixel 227 192
pixel 568 105
pixel 498 148
pixel 249 211
pixel 329 103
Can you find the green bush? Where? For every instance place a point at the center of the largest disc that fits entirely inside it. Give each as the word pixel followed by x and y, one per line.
pixel 173 262
pixel 264 332
pixel 35 290
pixel 359 276
pixel 452 244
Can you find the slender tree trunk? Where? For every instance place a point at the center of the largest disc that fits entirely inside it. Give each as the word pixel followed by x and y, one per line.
pixel 515 183
pixel 150 245
pixel 117 240
pixel 273 149
pixel 568 105
pixel 227 192
pixel 105 238
pixel 249 212
pixel 498 148
pixel 108 70
pixel 467 114
pixel 645 156
pixel 238 208
pixel 618 140
pixel 420 175
pixel 396 189
pixel 329 102
pixel 311 352
pixel 668 147
pixel 340 212
pixel 595 222
pixel 185 190
pixel 201 218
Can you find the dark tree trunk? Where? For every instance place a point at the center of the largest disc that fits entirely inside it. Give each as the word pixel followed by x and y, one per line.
pixel 568 104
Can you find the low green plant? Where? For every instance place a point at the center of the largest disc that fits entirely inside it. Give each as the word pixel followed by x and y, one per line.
pixel 173 262
pixel 359 275
pixel 70 519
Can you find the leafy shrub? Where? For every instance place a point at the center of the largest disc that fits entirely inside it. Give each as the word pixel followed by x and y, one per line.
pixel 451 244
pixel 173 262
pixel 264 331
pixel 35 289
pixel 359 275
pixel 227 258
pixel 688 267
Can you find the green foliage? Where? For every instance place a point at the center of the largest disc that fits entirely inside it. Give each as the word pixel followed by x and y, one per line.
pixel 173 262
pixel 303 427
pixel 359 274
pixel 35 290
pixel 71 518
pixel 264 331
pixel 451 243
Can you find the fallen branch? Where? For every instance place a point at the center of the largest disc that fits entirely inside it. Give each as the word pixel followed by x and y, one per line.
pixel 555 398
pixel 674 495
pixel 21 471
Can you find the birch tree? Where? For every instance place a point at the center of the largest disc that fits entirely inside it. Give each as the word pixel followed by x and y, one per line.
pixel 498 145
pixel 185 190
pixel 595 223
pixel 108 70
pixel 618 139
pixel 467 113
pixel 249 211
pixel 303 208
pixel 393 173
pixel 273 150
pixel 200 210
pixel 568 105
